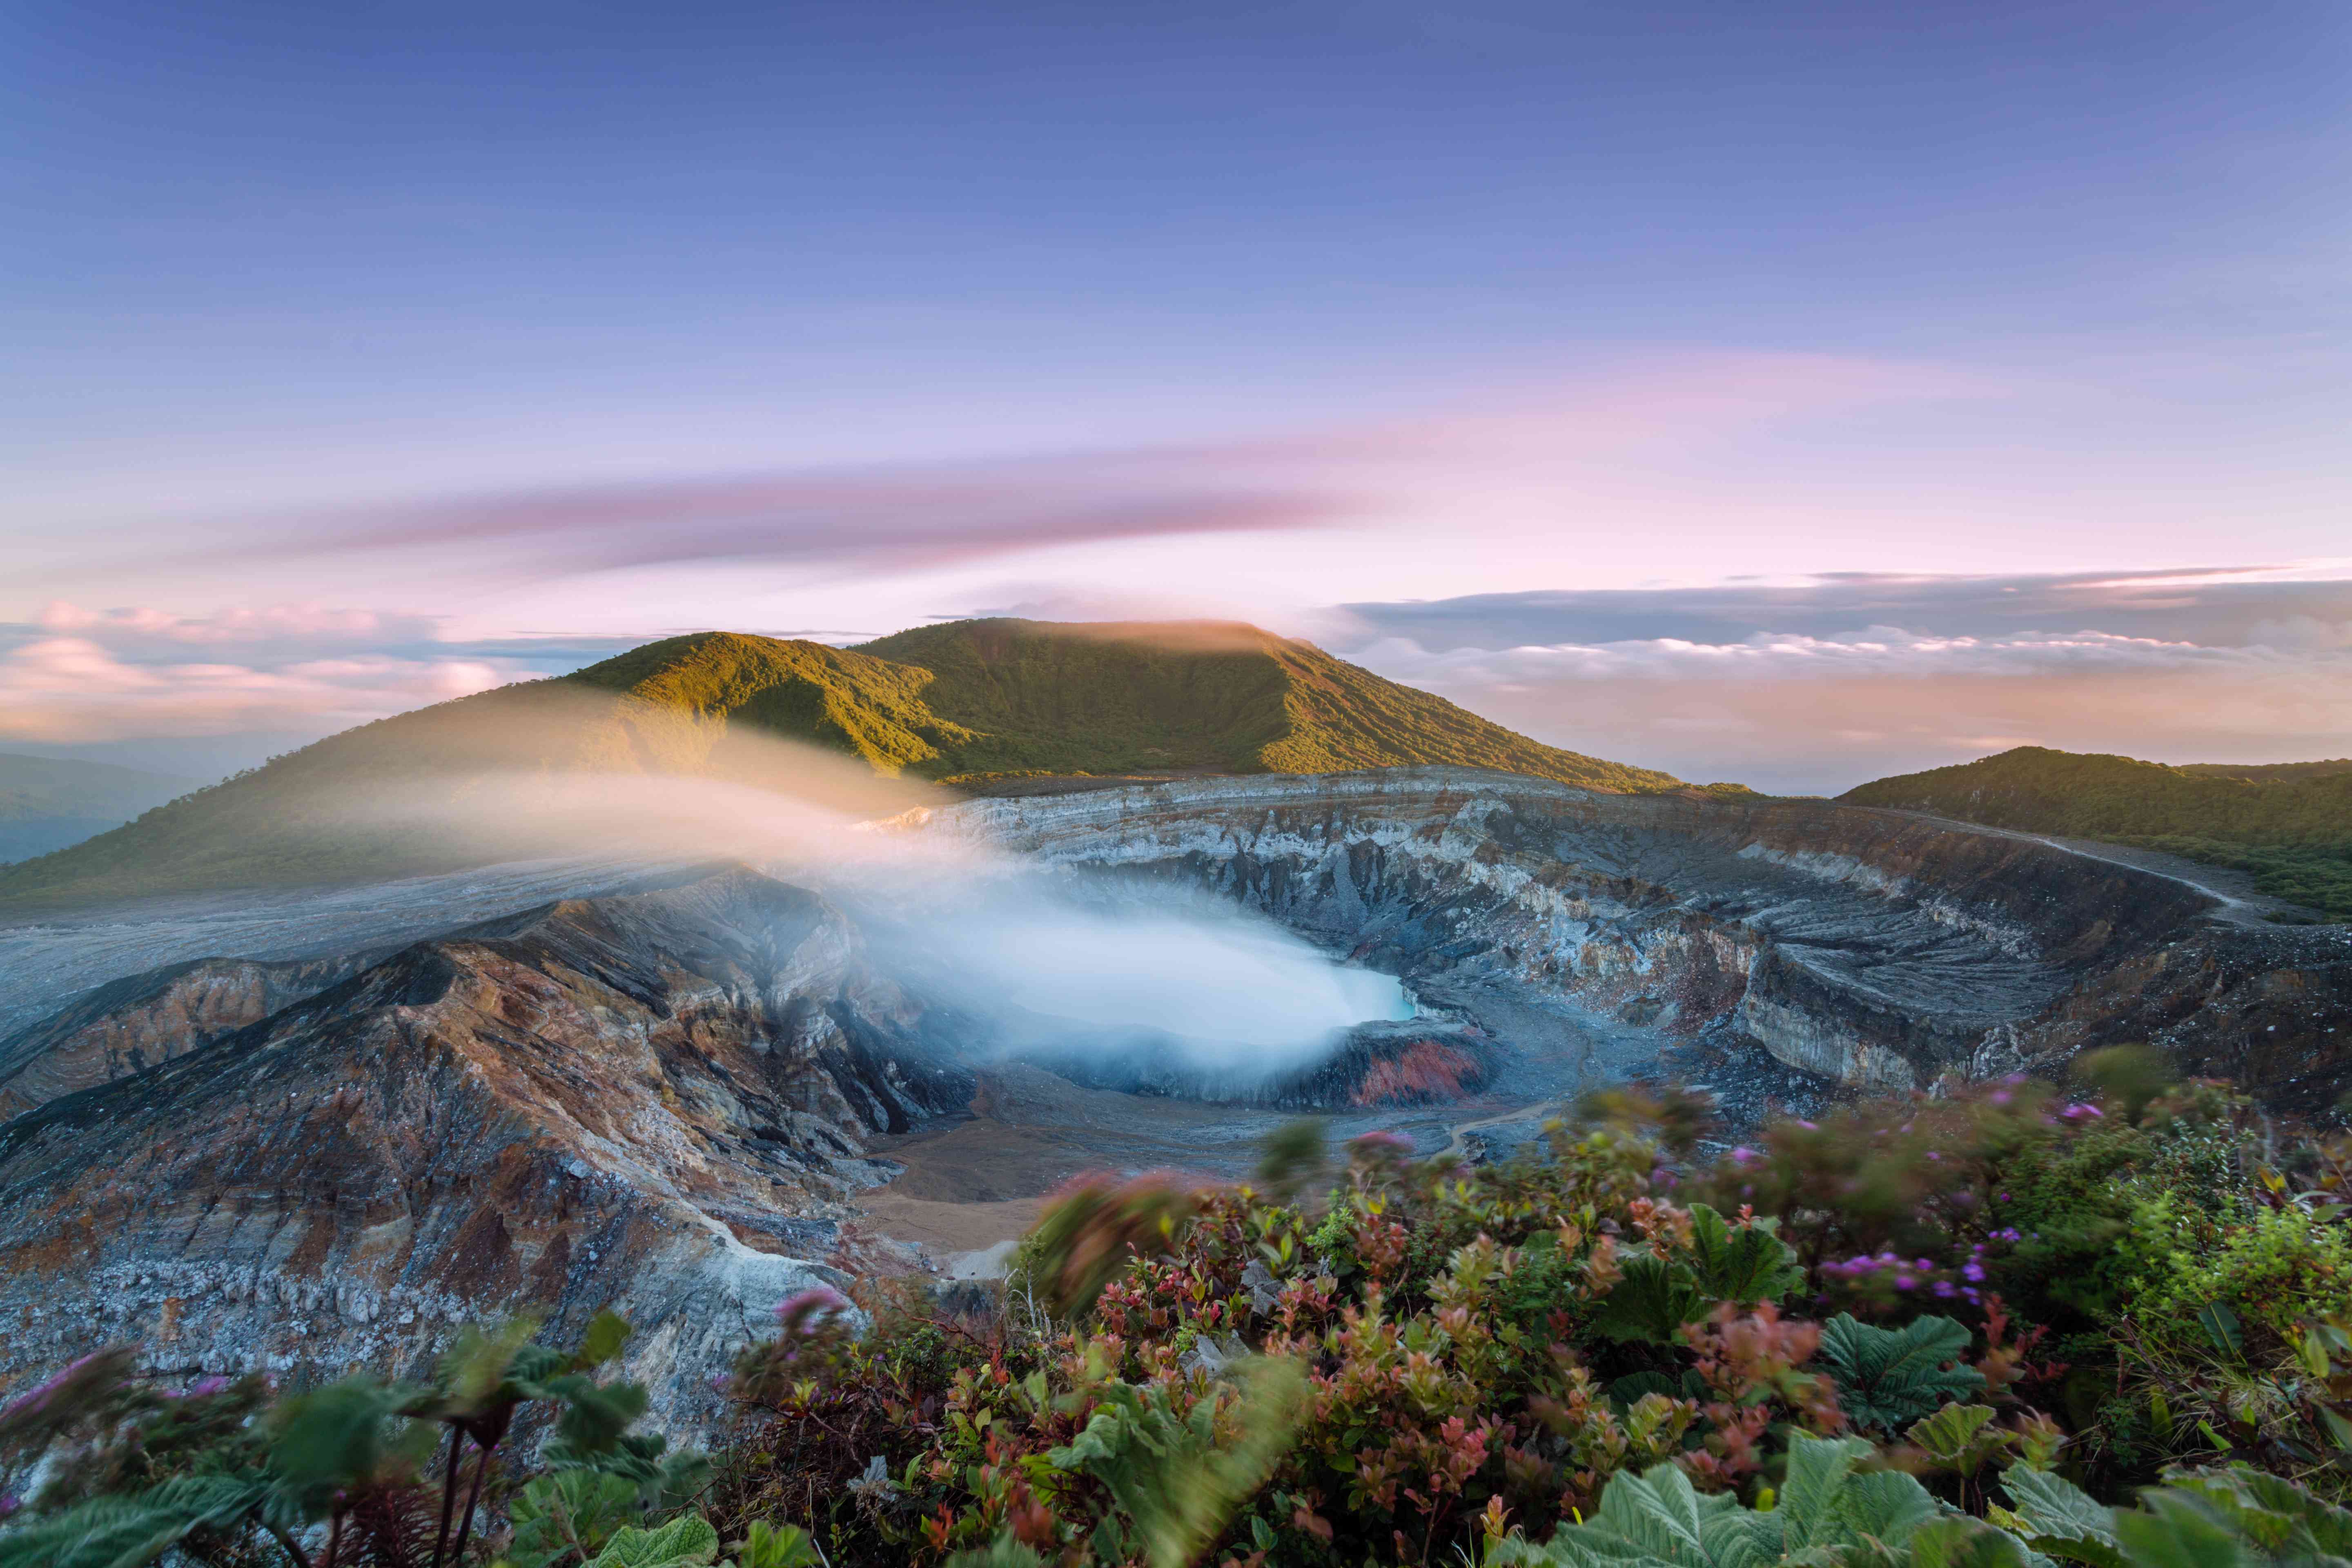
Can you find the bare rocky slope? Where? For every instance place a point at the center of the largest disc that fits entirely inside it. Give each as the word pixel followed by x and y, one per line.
pixel 657 1101
pixel 666 1100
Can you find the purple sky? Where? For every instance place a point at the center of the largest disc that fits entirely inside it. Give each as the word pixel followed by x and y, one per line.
pixel 1787 394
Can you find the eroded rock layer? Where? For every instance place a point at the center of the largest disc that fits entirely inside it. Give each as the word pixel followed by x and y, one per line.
pixel 655 1102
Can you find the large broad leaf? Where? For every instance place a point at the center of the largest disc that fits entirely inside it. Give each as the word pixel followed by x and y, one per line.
pixel 1654 1299
pixel 1660 1515
pixel 2271 1511
pixel 1175 1487
pixel 2171 1529
pixel 2057 1508
pixel 554 1510
pixel 1888 1378
pixel 1818 1471
pixel 1745 1263
pixel 1962 1542
pixel 1885 1506
pixel 342 1437
pixel 1958 1437
pixel 129 1532
pixel 686 1541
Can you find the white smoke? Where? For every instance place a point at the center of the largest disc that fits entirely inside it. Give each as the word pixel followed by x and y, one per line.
pixel 1031 954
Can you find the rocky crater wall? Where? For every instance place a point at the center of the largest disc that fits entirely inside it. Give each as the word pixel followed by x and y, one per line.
pixel 1877 948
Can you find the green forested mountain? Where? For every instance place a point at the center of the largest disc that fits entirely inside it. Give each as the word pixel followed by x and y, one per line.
pixel 2289 823
pixel 970 704
pixel 1197 696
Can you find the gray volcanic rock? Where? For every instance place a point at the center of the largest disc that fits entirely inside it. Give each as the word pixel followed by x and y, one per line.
pixel 1876 948
pixel 130 1024
pixel 655 1102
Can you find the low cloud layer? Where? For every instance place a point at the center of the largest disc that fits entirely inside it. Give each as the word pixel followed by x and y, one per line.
pixel 2229 607
pixel 1817 687
pixel 77 676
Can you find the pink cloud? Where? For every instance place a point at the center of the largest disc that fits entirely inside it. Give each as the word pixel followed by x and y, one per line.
pixel 67 689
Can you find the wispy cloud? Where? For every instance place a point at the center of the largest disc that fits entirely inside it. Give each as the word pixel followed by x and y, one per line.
pixel 68 691
pixel 1530 450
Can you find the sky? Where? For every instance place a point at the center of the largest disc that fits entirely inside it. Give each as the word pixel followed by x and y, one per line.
pixel 1792 394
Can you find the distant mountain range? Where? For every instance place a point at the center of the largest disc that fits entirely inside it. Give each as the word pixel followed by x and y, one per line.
pixel 984 706
pixel 2289 823
pixel 46 803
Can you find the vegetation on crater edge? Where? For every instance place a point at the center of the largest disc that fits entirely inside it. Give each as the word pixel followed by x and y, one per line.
pixel 2004 1328
pixel 2290 824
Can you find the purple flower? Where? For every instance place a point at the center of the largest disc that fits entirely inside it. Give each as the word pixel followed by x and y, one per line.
pixel 1904 1282
pixel 38 1399
pixel 2079 1112
pixel 205 1388
pixel 10 1504
pixel 1810 1126
pixel 2002 1096
pixel 1944 1288
pixel 1741 1155
pixel 800 1312
pixel 1972 1271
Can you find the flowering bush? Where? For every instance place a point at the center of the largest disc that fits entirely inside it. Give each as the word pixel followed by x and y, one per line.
pixel 1380 1360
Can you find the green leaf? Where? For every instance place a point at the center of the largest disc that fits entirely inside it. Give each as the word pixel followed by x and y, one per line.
pixel 554 1510
pixel 1808 1500
pixel 1885 1505
pixel 1660 1515
pixel 608 1332
pixel 1956 1437
pixel 778 1546
pixel 1744 1264
pixel 2053 1505
pixel 1961 1542
pixel 1826 1515
pixel 2171 1529
pixel 342 1437
pixel 2270 1510
pixel 1166 1475
pixel 2221 1326
pixel 1654 1299
pixel 127 1532
pixel 686 1541
pixel 1889 1378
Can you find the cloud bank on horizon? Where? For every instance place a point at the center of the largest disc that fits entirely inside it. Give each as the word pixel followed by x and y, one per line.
pixel 1800 686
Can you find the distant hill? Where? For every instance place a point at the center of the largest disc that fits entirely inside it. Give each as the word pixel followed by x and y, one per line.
pixel 975 705
pixel 2289 823
pixel 46 803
